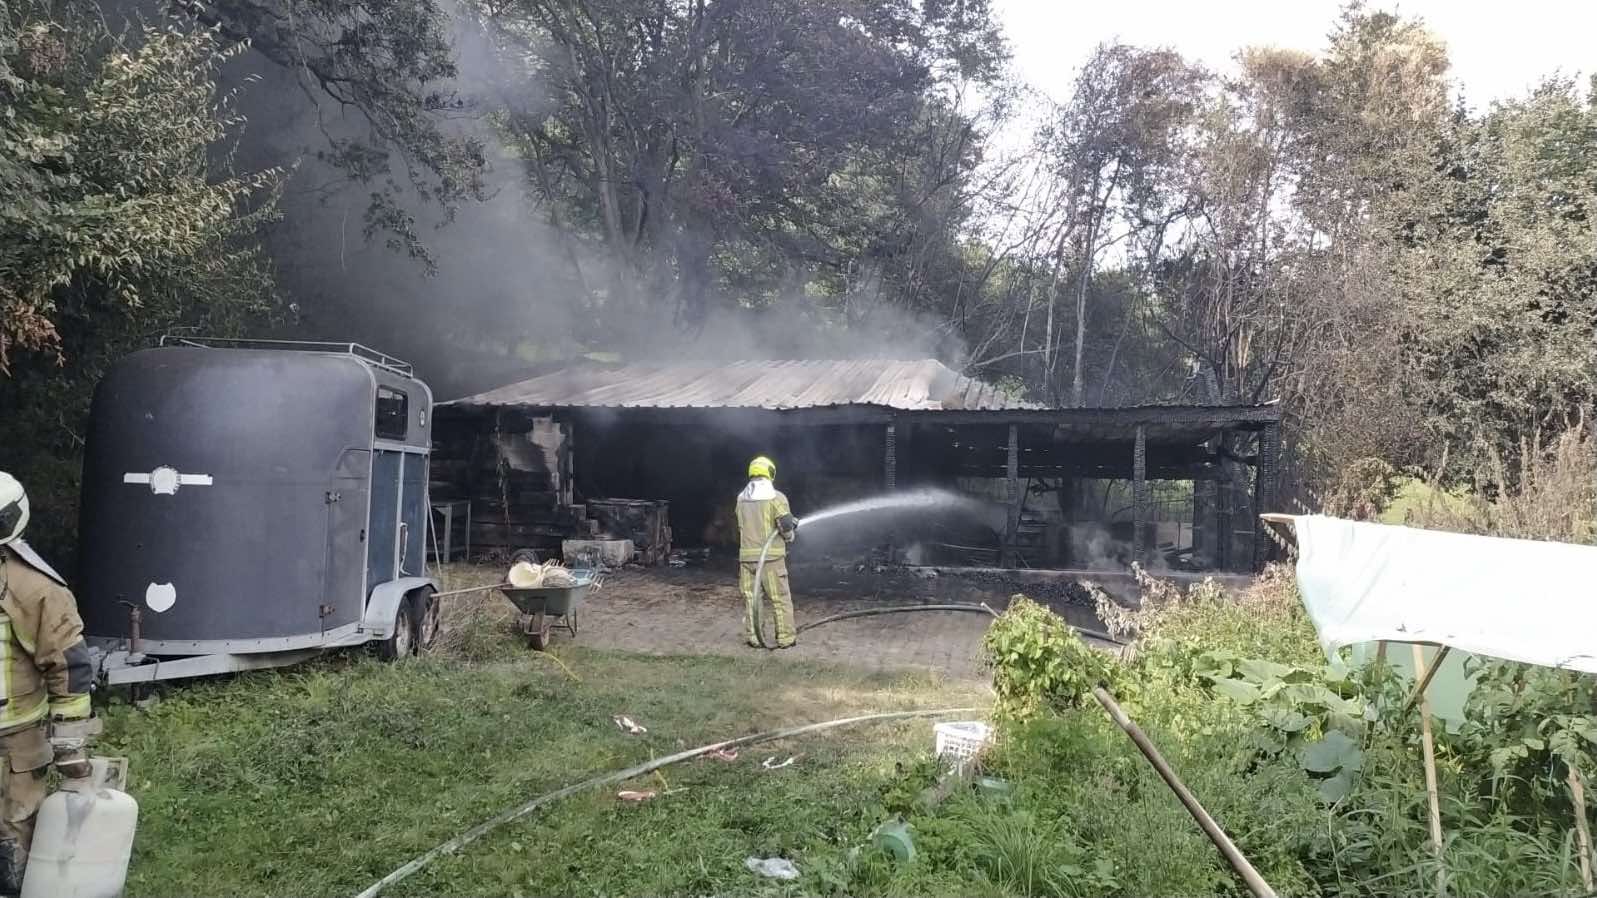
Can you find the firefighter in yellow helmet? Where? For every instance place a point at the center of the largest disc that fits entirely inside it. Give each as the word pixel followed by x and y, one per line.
pixel 48 675
pixel 761 511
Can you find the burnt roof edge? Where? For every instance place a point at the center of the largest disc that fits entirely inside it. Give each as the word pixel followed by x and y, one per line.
pixel 1241 416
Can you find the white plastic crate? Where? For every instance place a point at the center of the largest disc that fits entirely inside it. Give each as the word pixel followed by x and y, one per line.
pixel 962 740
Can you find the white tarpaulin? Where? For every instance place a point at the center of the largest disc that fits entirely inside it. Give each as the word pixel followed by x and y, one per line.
pixel 1517 599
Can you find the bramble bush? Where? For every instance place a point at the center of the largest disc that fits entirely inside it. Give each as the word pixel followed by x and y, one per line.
pixel 1039 663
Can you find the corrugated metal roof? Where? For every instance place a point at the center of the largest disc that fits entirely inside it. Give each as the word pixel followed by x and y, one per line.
pixel 920 385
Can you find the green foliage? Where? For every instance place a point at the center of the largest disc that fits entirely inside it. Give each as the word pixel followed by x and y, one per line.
pixel 1018 853
pixel 1309 766
pixel 1521 719
pixel 1300 712
pixel 1266 621
pixel 1039 662
pixel 1363 491
pixel 389 68
pixel 104 172
pixel 119 219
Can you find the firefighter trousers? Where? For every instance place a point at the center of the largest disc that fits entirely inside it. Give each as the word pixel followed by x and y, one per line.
pixel 776 591
pixel 25 757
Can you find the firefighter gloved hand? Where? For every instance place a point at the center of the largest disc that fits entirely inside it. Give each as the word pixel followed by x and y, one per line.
pixel 70 741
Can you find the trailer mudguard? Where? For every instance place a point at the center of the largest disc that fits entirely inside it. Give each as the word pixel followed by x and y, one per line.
pixel 384 604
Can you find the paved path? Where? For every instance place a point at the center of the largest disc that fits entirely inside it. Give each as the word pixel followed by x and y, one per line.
pixel 699 611
pixel 647 612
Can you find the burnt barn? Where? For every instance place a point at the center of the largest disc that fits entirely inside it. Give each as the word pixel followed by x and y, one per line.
pixel 655 453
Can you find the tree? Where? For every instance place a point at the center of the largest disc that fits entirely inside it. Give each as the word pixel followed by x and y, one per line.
pixel 381 75
pixel 731 151
pixel 1504 284
pixel 116 220
pixel 1115 143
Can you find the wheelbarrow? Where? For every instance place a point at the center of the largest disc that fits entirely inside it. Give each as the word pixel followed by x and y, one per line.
pixel 547 607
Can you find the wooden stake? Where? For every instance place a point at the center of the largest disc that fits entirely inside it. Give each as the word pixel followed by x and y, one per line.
pixel 1424 683
pixel 1577 791
pixel 1228 849
pixel 1429 747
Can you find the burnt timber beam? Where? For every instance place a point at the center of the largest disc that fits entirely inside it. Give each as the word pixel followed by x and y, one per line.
pixel 1012 490
pixel 1225 503
pixel 1249 417
pixel 1265 489
pixel 1253 417
pixel 890 458
pixel 1139 495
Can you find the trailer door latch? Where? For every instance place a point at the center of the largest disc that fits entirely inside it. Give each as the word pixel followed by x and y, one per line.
pixel 333 496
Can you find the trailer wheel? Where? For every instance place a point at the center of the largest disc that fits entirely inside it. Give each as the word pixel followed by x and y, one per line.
pixel 426 615
pixel 401 640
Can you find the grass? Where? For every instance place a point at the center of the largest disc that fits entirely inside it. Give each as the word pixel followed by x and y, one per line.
pixel 320 779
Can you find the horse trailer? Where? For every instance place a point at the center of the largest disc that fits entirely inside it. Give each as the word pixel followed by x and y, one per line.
pixel 250 504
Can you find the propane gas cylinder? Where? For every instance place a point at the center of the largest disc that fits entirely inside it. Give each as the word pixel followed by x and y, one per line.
pixel 82 841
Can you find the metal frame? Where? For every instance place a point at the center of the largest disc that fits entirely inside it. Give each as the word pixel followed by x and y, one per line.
pixel 445 546
pixel 364 353
pixel 120 668
pixel 340 636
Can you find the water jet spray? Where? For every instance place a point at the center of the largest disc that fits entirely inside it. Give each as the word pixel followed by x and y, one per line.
pixel 895 501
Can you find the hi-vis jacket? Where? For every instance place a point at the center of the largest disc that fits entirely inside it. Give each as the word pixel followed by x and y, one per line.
pixel 45 669
pixel 763 510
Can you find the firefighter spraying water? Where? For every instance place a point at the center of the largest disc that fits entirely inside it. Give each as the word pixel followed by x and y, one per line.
pixel 766 525
pixel 763 515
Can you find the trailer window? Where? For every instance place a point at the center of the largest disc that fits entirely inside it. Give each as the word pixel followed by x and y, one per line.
pixel 393 414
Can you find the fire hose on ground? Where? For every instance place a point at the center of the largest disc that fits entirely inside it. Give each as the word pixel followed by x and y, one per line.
pixel 980 608
pixel 520 811
pixel 1228 849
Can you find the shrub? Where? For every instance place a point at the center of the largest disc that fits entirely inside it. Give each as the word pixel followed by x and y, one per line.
pixel 1039 662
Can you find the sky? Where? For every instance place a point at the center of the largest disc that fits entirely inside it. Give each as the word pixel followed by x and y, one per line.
pixel 1498 50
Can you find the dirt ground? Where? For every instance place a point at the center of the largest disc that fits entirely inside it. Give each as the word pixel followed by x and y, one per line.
pixel 698 610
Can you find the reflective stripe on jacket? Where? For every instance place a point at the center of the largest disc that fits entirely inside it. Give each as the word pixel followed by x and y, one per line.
pixel 761 511
pixel 45 667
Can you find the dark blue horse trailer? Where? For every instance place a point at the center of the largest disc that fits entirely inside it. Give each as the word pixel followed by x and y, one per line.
pixel 251 503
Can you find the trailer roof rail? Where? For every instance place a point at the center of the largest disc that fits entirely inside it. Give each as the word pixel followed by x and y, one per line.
pixel 364 353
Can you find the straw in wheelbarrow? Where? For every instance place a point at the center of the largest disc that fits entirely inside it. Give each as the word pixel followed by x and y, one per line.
pixel 549 575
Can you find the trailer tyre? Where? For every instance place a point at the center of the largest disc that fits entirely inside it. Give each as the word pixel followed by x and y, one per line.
pixel 426 611
pixel 401 641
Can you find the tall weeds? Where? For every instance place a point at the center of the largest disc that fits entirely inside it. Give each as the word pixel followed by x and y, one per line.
pixel 1551 494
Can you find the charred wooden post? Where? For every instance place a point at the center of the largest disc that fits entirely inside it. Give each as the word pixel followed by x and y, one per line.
pixel 1012 493
pixel 1266 484
pixel 1203 517
pixel 890 459
pixel 1139 495
pixel 1224 506
pixel 1067 498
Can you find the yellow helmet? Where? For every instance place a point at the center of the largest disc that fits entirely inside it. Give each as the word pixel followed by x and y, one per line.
pixel 762 467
